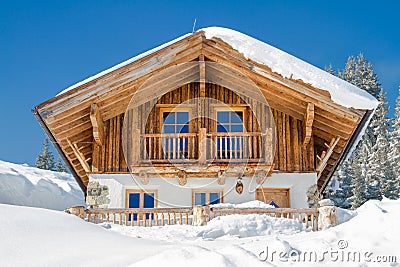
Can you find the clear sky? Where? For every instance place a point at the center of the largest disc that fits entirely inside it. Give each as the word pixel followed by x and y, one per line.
pixel 46 46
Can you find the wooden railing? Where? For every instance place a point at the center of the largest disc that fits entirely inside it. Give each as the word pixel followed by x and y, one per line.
pixel 169 147
pixel 236 146
pixel 140 217
pixel 184 147
pixel 172 216
pixel 308 216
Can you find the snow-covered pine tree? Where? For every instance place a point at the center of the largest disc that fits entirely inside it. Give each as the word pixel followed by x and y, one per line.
pixel 394 154
pixel 381 169
pixel 342 195
pixel 330 70
pixel 60 166
pixel 367 166
pixel 357 181
pixel 349 72
pixel 45 159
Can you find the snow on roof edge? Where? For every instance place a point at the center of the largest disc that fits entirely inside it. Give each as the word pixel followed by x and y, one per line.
pixel 279 61
pixel 288 66
pixel 124 63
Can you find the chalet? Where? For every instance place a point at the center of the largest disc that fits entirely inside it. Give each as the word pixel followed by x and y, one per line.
pixel 213 116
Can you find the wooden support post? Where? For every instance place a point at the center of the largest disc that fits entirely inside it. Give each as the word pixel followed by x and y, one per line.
pixel 202 74
pixel 308 122
pixel 135 158
pixel 325 157
pixel 97 123
pixel 202 146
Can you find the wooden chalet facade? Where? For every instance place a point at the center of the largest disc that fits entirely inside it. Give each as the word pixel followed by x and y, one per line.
pixel 287 147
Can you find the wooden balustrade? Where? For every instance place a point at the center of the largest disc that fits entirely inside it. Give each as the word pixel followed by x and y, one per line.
pixel 307 216
pixel 184 216
pixel 184 147
pixel 170 147
pixel 140 217
pixel 236 146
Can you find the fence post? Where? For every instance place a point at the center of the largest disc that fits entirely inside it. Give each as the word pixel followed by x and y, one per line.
pixel 328 214
pixel 201 215
pixel 77 210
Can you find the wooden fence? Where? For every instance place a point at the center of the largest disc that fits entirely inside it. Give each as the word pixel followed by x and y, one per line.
pixel 184 216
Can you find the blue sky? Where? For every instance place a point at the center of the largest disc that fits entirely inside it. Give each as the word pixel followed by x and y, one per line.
pixel 45 46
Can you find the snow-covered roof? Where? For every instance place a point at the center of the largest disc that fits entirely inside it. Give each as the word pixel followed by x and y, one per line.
pixel 279 61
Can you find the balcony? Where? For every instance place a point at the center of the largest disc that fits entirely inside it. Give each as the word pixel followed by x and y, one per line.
pixel 203 148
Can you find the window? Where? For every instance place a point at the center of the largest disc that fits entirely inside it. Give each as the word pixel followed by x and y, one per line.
pixel 206 197
pixel 140 199
pixel 230 121
pixel 230 146
pixel 175 122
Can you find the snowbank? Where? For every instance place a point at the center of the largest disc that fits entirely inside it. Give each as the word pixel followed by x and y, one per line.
pixel 40 237
pixel 234 240
pixel 29 186
pixel 249 225
pixel 250 204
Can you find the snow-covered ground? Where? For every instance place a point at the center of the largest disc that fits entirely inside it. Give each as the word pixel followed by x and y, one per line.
pixel 30 186
pixel 40 237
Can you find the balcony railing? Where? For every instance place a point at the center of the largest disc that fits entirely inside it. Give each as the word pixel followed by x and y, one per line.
pixel 169 147
pixel 219 148
pixel 236 147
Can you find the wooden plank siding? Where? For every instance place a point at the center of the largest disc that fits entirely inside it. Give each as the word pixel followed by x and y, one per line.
pixel 290 156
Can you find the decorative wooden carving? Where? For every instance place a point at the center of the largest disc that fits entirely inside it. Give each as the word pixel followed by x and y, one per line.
pixel 221 178
pixel 182 177
pixel 308 123
pixel 144 178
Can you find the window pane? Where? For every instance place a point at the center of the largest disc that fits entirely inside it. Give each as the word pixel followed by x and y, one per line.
pixel 237 128
pixel 214 198
pixel 200 199
pixel 237 117
pixel 134 199
pixel 182 117
pixel 223 116
pixel 222 129
pixel 168 129
pixel 182 129
pixel 148 200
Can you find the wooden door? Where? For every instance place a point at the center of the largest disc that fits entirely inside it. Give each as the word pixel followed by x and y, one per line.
pixel 278 196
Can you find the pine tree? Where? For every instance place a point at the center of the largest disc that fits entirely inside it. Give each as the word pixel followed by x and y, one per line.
pixel 330 70
pixel 394 154
pixel 371 172
pixel 381 168
pixel 357 181
pixel 60 166
pixel 342 195
pixel 366 77
pixel 45 159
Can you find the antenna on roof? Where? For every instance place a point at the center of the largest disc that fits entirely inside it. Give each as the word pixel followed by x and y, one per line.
pixel 194 25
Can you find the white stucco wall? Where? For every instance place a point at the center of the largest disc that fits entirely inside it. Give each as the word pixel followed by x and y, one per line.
pixel 171 194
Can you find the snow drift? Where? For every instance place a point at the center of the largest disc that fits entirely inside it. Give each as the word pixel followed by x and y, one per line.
pixel 69 241
pixel 29 186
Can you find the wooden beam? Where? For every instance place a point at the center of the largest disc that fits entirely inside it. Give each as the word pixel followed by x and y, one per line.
pixel 325 157
pixel 308 123
pixel 202 72
pixel 79 155
pixel 97 123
